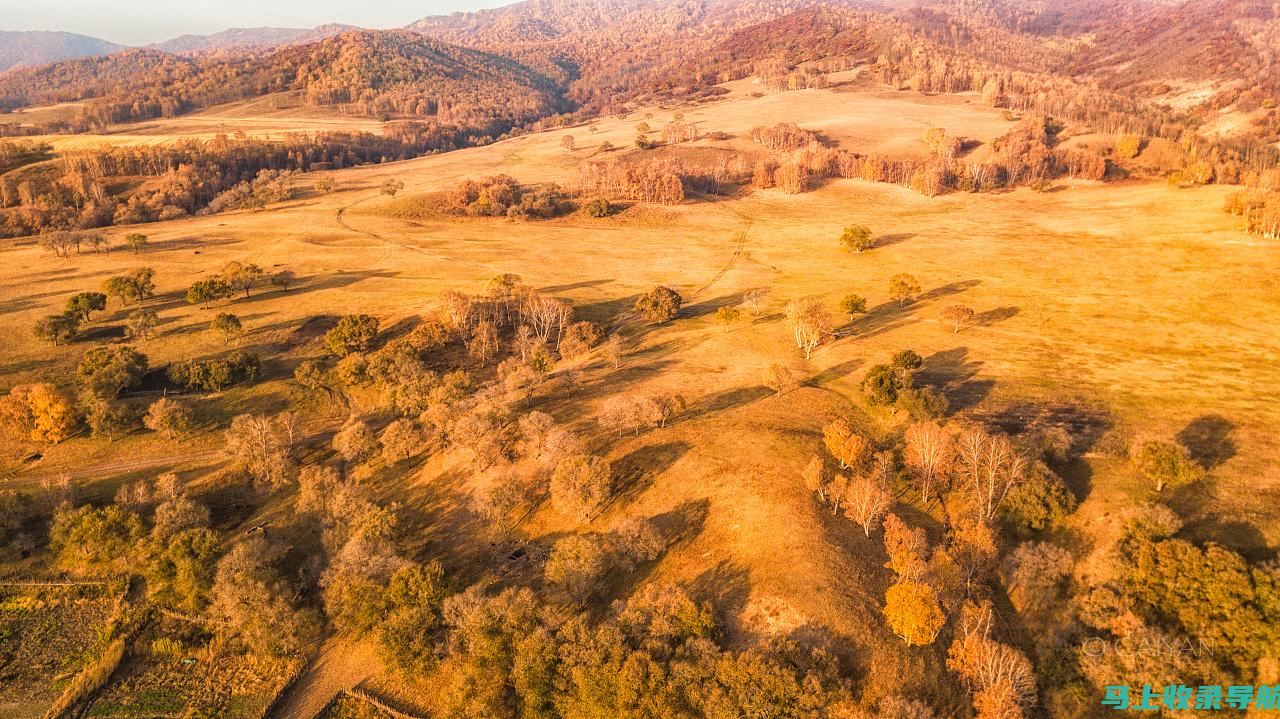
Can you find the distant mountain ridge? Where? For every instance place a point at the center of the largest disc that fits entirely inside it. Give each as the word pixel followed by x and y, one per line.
pixel 31 48
pixel 251 38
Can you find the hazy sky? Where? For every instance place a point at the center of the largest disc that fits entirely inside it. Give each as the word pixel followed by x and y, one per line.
pixel 139 22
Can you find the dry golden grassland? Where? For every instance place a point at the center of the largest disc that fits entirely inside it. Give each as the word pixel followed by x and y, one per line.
pixel 1130 309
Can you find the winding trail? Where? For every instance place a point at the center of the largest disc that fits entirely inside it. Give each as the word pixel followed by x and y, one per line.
pixel 342 222
pixel 340 664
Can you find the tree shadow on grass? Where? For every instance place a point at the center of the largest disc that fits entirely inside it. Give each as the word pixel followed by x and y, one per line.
pixel 882 318
pixel 726 586
pixel 947 290
pixel 102 333
pixel 707 307
pixel 891 240
pixel 1237 535
pixel 834 372
pixel 953 374
pixel 1208 439
pixel 728 399
pixel 575 286
pixel 995 316
pixel 634 472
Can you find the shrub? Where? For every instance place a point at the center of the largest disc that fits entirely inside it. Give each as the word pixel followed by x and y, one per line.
pixel 1166 465
pixel 659 304
pixel 728 315
pixel 597 207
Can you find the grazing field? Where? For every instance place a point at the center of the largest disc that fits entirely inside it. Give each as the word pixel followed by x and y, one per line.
pixel 1123 310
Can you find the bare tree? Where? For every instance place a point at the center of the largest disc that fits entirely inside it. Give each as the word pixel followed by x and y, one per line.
pixel 258 443
pixel 546 316
pixel 930 453
pixel 990 467
pixel 580 486
pixel 620 413
pixel 810 322
pixel 483 344
pixel 816 477
pixel 755 299
pixel 356 441
pixel 455 308
pixel 611 350
pixel 866 502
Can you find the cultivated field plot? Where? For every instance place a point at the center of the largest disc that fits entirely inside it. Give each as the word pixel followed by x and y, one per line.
pixel 47 634
pixel 172 670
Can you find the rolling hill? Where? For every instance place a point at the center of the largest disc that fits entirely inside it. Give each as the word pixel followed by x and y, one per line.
pixel 36 47
pixel 253 38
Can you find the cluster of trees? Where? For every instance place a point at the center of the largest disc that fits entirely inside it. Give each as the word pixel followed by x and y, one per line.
pixel 135 286
pixel 234 277
pixel 130 185
pixel 654 181
pixel 217 373
pixel 46 413
pixel 502 196
pixel 1260 209
pixel 1024 156
pixel 941 590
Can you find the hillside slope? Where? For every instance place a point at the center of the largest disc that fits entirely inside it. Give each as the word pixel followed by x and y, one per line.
pixel 373 72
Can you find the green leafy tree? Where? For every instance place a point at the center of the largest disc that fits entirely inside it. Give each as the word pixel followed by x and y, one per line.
pixel 903 287
pixel 228 325
pixel 83 304
pixel 853 305
pixel 576 565
pixel 284 279
pixel 108 418
pixel 597 207
pixel 353 333
pixel 56 328
pixel 141 324
pixel 89 539
pixel 214 375
pixel 1167 465
pixel 180 572
pixel 206 292
pixel 240 276
pixel 857 238
pixel 106 371
pixel 136 242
